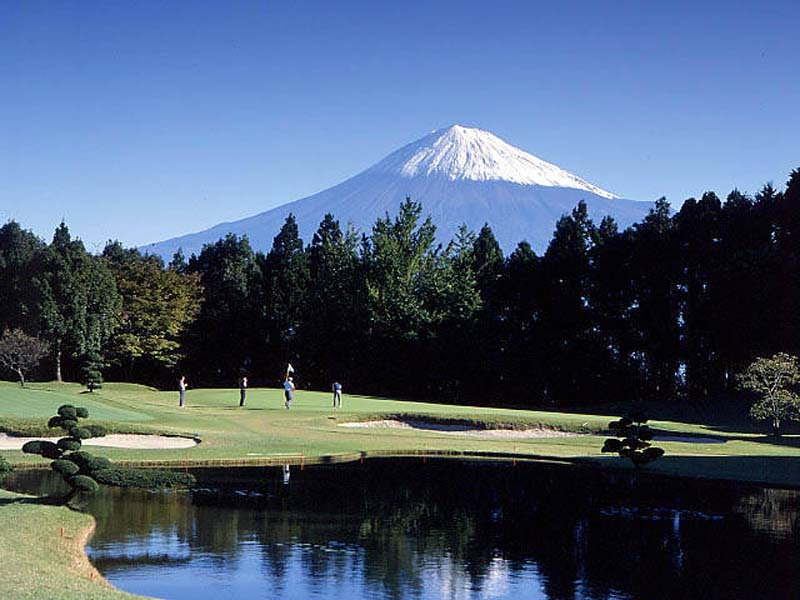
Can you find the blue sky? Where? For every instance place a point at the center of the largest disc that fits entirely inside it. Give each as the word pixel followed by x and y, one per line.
pixel 145 120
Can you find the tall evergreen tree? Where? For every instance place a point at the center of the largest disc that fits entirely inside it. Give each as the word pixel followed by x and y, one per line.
pixel 221 339
pixel 285 286
pixel 334 314
pixel 19 299
pixel 655 273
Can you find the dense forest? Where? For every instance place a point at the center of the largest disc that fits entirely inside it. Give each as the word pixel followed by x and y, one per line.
pixel 669 309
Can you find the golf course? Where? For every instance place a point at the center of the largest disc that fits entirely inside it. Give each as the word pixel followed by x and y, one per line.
pixel 215 431
pixel 263 432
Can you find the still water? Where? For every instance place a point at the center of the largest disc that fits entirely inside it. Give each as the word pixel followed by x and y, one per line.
pixel 444 529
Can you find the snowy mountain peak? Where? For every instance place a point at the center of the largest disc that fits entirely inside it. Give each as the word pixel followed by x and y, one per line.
pixel 465 153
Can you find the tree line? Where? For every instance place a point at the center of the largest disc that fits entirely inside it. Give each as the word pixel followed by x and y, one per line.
pixel 670 308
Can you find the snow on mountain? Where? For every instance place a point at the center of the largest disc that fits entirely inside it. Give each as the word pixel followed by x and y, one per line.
pixel 473 154
pixel 460 175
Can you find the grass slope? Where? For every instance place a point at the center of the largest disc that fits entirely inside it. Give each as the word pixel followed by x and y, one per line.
pixel 38 562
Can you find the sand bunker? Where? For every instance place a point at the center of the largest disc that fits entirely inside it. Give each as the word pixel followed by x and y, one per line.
pixel 116 440
pixel 462 430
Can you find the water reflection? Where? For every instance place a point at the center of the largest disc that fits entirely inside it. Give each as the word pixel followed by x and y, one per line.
pixel 446 529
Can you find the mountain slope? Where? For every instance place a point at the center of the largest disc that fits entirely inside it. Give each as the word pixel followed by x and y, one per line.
pixel 460 175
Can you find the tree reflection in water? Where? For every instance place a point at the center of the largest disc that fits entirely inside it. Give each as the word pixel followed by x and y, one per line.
pixel 448 529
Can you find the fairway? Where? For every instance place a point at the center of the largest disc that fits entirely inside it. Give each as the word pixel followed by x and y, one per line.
pixel 42 400
pixel 264 432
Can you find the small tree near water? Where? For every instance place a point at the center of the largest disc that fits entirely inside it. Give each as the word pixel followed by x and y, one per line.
pixel 633 440
pixel 73 464
pixel 20 352
pixel 773 381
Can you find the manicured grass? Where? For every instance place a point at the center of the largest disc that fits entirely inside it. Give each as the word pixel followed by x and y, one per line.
pixel 41 564
pixel 42 400
pixel 265 431
pixel 38 562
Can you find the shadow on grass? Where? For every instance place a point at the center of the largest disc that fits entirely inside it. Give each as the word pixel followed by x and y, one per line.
pixel 786 441
pixel 779 471
pixel 37 500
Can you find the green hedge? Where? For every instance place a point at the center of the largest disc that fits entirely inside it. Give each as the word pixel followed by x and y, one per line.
pixel 82 483
pixel 69 444
pixel 68 411
pixel 4 466
pixel 65 467
pixel 144 478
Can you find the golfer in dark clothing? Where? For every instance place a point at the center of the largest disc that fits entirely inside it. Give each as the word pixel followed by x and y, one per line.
pixel 242 390
pixel 337 395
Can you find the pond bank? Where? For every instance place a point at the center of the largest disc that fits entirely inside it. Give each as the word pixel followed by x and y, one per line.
pixel 44 554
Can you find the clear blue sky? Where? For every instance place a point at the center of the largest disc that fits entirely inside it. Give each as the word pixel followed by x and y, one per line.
pixel 145 120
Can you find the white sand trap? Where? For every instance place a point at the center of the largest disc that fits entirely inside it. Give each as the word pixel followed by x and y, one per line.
pixel 115 440
pixel 537 432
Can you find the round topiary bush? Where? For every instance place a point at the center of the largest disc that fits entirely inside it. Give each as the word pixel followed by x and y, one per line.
pixel 82 483
pixel 81 458
pixel 82 412
pixel 68 412
pixel 98 463
pixel 97 430
pixel 55 421
pixel 67 424
pixel 51 450
pixel 83 433
pixel 42 448
pixel 65 468
pixel 69 444
pixel 32 447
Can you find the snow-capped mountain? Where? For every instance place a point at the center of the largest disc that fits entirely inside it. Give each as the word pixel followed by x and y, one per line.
pixel 460 175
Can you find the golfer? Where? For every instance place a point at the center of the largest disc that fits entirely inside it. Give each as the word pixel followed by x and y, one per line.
pixel 242 390
pixel 337 395
pixel 288 391
pixel 182 385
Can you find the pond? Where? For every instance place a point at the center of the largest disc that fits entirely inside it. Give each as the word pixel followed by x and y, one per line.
pixel 444 529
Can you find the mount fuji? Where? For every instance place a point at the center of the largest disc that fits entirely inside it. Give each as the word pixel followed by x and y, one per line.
pixel 460 175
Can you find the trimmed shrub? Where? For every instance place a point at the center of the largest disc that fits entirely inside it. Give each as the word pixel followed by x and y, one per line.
pixel 69 444
pixel 55 421
pixel 83 433
pixel 68 424
pixel 97 430
pixel 82 483
pixel 32 447
pixel 82 412
pixel 632 441
pixel 144 478
pixel 81 458
pixel 65 468
pixel 51 450
pixel 4 466
pixel 68 412
pixel 98 463
pixel 42 448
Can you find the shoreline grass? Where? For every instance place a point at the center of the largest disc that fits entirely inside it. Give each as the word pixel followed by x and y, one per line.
pixel 40 562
